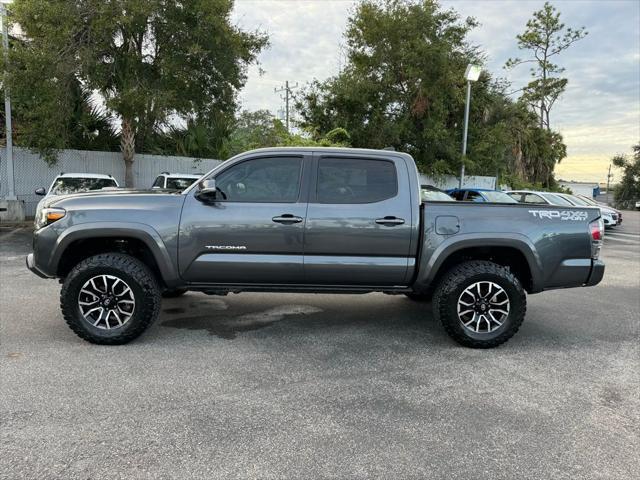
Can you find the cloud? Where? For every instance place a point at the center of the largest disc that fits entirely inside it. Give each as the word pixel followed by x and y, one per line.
pixel 599 114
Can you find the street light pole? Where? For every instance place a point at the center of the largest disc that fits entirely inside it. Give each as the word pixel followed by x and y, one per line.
pixel 466 131
pixel 471 75
pixel 7 110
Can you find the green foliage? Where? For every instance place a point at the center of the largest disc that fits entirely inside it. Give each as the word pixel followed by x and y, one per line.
pixel 260 129
pixel 627 192
pixel 403 86
pixel 545 37
pixel 150 61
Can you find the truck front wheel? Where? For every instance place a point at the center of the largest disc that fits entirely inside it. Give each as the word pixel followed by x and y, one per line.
pixel 110 298
pixel 480 304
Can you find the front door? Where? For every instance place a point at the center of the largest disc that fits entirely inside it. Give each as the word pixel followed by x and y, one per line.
pixel 253 232
pixel 358 221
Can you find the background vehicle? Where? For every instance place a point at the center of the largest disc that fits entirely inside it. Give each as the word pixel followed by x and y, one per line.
pixel 529 196
pixel 68 183
pixel 310 220
pixel 480 195
pixel 429 193
pixel 638 205
pixel 614 212
pixel 609 215
pixel 175 181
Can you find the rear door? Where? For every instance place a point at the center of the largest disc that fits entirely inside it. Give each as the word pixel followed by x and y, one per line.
pixel 358 229
pixel 253 232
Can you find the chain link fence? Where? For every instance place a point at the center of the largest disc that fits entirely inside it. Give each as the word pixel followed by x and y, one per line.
pixel 31 171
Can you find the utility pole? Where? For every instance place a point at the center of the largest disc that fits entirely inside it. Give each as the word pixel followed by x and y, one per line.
pixel 287 94
pixel 609 177
pixel 7 109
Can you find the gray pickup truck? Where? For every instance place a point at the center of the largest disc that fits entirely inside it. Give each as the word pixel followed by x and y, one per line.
pixel 309 220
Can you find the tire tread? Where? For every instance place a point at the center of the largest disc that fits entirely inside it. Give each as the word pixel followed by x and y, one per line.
pixel 132 267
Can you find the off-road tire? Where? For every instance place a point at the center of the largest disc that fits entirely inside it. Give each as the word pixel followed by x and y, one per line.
pixel 141 281
pixel 174 292
pixel 454 282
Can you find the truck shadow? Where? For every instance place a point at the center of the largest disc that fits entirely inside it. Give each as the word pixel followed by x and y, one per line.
pixel 388 316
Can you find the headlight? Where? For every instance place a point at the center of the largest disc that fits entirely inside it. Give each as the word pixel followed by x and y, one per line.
pixel 47 216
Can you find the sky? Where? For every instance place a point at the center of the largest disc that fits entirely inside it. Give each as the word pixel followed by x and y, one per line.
pixel 598 115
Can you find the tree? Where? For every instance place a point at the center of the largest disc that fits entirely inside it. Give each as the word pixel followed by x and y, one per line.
pixel 402 86
pixel 545 37
pixel 628 190
pixel 152 63
pixel 261 129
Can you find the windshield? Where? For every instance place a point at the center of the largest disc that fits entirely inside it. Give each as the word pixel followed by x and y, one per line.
pixel 589 201
pixel 498 197
pixel 435 196
pixel 174 183
pixel 557 199
pixel 578 201
pixel 67 185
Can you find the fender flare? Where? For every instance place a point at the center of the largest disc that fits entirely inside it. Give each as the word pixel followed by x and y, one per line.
pixel 429 267
pixel 140 231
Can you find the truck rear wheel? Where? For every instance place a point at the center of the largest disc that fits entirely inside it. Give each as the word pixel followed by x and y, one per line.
pixel 480 304
pixel 110 299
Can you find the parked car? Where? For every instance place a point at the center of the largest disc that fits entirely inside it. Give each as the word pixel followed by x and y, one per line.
pixel 606 208
pixel 310 220
pixel 480 195
pixel 609 215
pixel 638 205
pixel 547 198
pixel 68 183
pixel 175 181
pixel 429 193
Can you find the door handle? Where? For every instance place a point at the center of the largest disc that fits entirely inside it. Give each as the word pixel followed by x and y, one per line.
pixel 287 219
pixel 390 221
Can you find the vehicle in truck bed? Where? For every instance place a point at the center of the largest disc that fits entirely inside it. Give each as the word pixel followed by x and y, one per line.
pixel 309 220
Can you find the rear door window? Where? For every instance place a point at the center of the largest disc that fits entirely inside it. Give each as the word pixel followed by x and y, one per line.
pixel 350 180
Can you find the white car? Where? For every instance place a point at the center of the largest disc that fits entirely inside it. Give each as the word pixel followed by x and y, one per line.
pixel 529 196
pixel 67 183
pixel 610 217
pixel 175 181
pixel 616 214
pixel 638 205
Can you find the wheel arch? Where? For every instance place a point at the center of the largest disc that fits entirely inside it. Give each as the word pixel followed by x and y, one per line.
pixel 511 250
pixel 84 240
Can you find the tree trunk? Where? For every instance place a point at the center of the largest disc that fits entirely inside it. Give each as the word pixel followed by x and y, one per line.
pixel 128 148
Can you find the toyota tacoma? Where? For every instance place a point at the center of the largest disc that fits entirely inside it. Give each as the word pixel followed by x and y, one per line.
pixel 309 220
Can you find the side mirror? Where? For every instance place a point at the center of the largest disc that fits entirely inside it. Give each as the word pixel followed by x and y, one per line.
pixel 40 191
pixel 206 190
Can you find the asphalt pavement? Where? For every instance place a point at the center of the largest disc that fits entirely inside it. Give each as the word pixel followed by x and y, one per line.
pixel 323 386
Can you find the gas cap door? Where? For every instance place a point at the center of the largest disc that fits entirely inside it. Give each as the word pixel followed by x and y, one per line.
pixel 447 225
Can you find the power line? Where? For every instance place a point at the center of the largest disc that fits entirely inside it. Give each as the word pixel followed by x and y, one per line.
pixel 287 94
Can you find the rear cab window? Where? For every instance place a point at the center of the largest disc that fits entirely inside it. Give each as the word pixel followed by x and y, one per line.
pixel 355 180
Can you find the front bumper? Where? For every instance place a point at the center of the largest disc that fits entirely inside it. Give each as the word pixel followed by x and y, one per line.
pixel 31 265
pixel 597 272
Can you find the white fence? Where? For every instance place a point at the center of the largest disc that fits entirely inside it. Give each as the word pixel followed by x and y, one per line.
pixel 31 171
pixel 449 181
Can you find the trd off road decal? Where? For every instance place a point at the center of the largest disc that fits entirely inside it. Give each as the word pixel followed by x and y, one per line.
pixel 573 215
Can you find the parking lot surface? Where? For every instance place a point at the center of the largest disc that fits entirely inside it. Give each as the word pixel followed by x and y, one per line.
pixel 323 386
